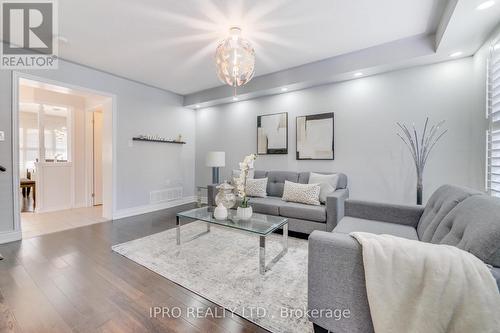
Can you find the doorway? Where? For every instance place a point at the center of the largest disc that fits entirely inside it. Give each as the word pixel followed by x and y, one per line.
pixel 52 189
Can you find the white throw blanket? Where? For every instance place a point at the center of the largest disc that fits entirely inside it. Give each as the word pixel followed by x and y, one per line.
pixel 415 287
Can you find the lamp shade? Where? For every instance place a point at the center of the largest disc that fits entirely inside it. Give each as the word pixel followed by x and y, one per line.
pixel 215 159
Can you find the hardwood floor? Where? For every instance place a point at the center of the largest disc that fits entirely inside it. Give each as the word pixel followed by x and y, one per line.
pixel 72 281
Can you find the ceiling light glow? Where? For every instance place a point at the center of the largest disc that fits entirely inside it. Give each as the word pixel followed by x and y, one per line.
pixel 235 99
pixel 284 89
pixel 496 47
pixel 485 5
pixel 358 74
pixel 197 106
pixel 456 54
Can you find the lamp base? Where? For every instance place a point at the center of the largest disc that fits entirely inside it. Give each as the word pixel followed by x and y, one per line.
pixel 215 175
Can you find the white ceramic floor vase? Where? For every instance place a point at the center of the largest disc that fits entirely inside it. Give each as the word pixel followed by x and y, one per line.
pixel 244 213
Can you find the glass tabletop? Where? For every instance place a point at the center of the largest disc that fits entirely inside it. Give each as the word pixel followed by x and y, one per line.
pixel 259 223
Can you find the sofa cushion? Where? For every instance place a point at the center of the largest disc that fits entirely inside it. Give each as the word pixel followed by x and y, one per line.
pixel 350 224
pixel 276 181
pixel 473 226
pixel 442 201
pixel 303 211
pixel 269 205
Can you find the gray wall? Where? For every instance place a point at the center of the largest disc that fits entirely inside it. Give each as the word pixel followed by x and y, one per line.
pixel 367 149
pixel 141 109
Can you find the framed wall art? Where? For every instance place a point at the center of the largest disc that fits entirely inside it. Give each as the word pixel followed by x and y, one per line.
pixel 272 134
pixel 315 137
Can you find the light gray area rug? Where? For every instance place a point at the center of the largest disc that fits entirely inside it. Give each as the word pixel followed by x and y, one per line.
pixel 222 266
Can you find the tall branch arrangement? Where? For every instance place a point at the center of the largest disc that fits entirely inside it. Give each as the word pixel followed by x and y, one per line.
pixel 420 147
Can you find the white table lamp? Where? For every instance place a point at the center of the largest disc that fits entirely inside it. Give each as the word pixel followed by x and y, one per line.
pixel 215 160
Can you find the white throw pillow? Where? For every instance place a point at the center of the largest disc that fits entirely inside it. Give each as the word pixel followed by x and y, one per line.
pixel 256 187
pixel 301 193
pixel 327 183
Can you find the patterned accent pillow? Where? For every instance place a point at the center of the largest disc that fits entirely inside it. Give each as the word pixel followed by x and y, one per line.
pixel 302 193
pixel 256 187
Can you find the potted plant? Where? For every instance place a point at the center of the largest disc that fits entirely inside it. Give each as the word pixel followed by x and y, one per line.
pixel 244 210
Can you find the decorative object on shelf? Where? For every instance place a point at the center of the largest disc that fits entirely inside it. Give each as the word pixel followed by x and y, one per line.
pixel 215 160
pixel 220 212
pixel 235 60
pixel 225 195
pixel 157 138
pixel 272 134
pixel 420 147
pixel 314 137
pixel 179 138
pixel 244 211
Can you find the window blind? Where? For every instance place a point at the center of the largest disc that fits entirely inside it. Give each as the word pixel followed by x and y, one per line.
pixel 493 134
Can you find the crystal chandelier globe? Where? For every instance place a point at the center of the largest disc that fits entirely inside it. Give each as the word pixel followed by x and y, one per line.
pixel 235 59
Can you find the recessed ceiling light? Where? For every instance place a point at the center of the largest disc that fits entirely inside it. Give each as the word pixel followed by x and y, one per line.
pixel 235 99
pixel 456 54
pixel 284 89
pixel 358 74
pixel 485 5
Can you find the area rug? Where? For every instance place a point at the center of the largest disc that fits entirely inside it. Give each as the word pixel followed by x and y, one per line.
pixel 222 266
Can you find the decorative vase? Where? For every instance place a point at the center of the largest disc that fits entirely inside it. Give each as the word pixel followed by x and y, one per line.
pixel 220 212
pixel 225 195
pixel 244 213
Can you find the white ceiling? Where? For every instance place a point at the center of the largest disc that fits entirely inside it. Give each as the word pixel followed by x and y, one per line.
pixel 170 43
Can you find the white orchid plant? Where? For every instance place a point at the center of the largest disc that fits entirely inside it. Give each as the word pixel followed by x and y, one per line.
pixel 241 182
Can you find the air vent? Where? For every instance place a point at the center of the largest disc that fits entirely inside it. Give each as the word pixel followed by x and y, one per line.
pixel 169 194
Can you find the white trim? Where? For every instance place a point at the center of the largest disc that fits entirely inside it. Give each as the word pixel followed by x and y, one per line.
pixel 139 210
pixel 15 153
pixel 16 76
pixel 11 236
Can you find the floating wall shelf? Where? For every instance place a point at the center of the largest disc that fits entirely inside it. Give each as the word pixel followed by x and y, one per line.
pixel 161 141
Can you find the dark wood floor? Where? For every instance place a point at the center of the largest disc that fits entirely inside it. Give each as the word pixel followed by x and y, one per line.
pixel 72 281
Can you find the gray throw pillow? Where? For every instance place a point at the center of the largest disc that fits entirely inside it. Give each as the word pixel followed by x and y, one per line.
pixel 327 183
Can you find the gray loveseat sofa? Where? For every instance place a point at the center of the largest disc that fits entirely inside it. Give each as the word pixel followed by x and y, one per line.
pixel 455 216
pixel 301 218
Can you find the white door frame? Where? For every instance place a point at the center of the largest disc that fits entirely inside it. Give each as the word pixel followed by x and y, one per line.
pixel 109 196
pixel 89 153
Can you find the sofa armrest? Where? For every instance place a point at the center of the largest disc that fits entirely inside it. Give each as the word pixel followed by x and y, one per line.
pixel 335 207
pixel 336 282
pixel 211 193
pixel 401 214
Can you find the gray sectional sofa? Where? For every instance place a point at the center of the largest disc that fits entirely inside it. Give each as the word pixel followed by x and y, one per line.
pixel 455 216
pixel 301 218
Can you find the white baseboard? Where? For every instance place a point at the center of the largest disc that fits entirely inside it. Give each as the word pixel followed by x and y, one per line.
pixel 10 236
pixel 119 214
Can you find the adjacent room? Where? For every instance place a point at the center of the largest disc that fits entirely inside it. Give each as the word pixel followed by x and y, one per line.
pixel 60 148
pixel 306 166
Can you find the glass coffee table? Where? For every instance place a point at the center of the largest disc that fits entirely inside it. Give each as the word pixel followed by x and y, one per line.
pixel 261 225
